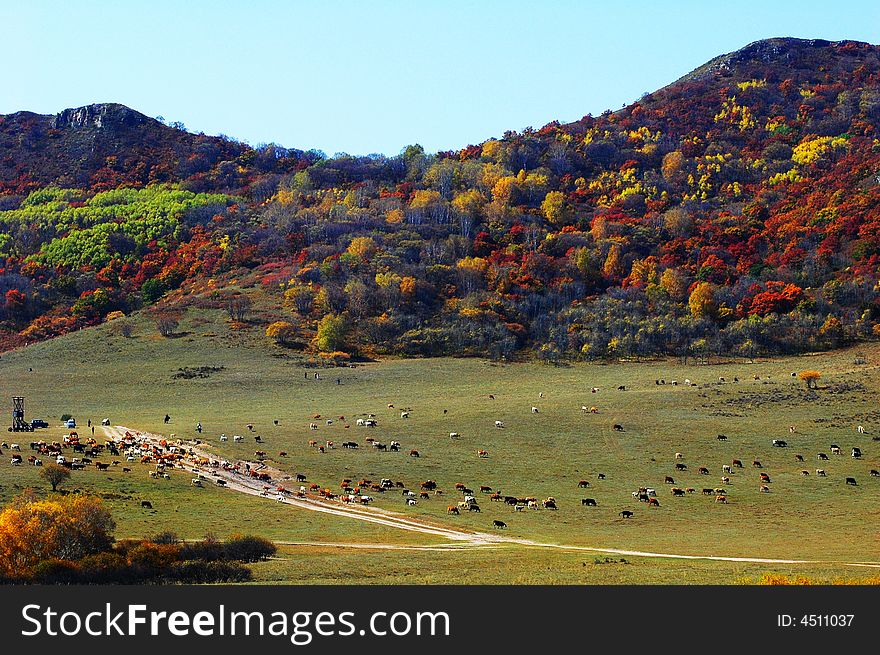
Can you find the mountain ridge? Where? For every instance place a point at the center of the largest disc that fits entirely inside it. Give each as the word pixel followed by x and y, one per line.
pixel 735 210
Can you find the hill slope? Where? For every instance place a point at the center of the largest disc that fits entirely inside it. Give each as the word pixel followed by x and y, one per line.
pixel 735 210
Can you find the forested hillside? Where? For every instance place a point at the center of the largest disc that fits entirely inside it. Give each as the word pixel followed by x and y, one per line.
pixel 736 211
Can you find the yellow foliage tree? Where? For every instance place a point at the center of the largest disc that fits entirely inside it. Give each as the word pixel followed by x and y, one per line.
pixel 702 301
pixel 810 378
pixel 408 286
pixel 362 247
pixel 469 202
pixel 281 331
pixel 555 208
pixel 69 527
pixel 612 266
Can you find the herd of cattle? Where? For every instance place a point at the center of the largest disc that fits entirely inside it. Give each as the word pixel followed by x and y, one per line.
pixel 166 455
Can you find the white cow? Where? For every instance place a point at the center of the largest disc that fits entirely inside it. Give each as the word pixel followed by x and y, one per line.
pixel 454 435
pixel 534 410
pixel 861 429
pixel 223 437
pixel 404 414
pixel 499 424
pixel 410 502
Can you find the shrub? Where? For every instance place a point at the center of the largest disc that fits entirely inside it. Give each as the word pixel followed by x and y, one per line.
pixel 247 548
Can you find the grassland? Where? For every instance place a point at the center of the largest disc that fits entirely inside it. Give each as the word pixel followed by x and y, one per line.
pixel 96 374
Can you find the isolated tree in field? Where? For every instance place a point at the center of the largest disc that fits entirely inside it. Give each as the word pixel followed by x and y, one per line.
pixel 166 323
pixel 810 378
pixel 238 307
pixel 281 331
pixel 54 474
pixel 332 331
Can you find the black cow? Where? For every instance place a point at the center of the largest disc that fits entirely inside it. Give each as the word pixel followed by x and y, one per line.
pixel 626 514
pixel 146 504
pixel 851 481
pixel 499 524
pixel 589 502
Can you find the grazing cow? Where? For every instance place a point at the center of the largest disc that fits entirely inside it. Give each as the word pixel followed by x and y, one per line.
pixel 510 500
pixel 680 467
pixel 313 426
pixel 414 453
pixel 653 502
pixel 669 480
pixel 499 424
pixel 594 390
pixel 851 481
pixel 822 456
pixel 492 396
pixel 532 504
pixel 721 498
pixel 703 470
pixel 805 473
pixel 626 514
pixel 146 504
pixel 622 387
pixel 861 429
pixel 708 492
pixel 583 483
pixel 454 435
pixel 765 489
pixel 780 443
pixel 617 427
pixel 452 509
pixel 725 468
pixel 410 502
pixel 737 463
pixel 799 458
pixel 820 472
pixel 765 477
pixel 485 489
pixel 676 491
pixel 835 450
pixel 404 414
pixel 534 410
pixel 875 473
pixel 473 507
pixel 588 502
pixel 483 453
pixel 721 437
pixel 498 524
pixel 679 456
pixel 237 439
pixel 757 464
pixel 101 466
pixel 725 480
pixel 550 503
pixel 651 492
pixel 856 452
pixel 126 469
pixel 518 508
pixel 601 476
pixel 223 437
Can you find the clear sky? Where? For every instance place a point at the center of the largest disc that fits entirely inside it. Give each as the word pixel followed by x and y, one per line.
pixel 376 75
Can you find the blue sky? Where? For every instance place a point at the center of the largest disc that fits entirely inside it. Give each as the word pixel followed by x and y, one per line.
pixel 374 76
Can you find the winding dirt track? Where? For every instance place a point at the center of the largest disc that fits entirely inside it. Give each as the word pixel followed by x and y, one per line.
pixel 460 539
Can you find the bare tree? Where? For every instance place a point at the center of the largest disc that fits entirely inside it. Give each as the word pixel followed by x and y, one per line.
pixel 166 324
pixel 238 307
